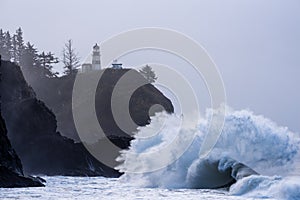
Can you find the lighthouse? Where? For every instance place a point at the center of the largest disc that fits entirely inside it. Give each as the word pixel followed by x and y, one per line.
pixel 96 62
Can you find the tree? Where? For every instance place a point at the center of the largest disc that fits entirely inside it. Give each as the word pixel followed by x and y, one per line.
pixel 1 42
pixel 30 62
pixel 148 73
pixel 11 48
pixel 70 58
pixel 30 57
pixel 46 61
pixel 18 45
pixel 14 50
pixel 7 46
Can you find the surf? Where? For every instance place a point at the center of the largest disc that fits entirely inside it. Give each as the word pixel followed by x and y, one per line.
pixel 253 156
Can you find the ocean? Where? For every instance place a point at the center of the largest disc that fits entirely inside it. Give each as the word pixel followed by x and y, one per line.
pixel 254 158
pixel 60 187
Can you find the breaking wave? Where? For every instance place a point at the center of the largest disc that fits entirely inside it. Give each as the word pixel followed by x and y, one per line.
pixel 253 157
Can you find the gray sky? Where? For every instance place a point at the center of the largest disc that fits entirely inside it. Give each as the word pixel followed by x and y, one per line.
pixel 255 43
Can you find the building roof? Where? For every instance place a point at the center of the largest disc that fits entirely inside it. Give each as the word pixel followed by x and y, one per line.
pixel 116 65
pixel 96 46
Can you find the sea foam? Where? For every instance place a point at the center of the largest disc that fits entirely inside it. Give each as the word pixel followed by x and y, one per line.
pixel 253 155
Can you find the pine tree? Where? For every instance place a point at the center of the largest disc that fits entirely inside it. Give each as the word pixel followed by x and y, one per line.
pixel 29 61
pixel 70 58
pixel 7 47
pixel 19 45
pixel 1 42
pixel 46 61
pixel 30 56
pixel 148 73
pixel 14 51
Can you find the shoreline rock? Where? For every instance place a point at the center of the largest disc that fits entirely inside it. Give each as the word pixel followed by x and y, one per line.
pixel 32 126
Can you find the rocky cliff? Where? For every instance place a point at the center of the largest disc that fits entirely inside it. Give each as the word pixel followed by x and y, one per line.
pixel 32 132
pixel 57 95
pixel 11 171
pixel 32 126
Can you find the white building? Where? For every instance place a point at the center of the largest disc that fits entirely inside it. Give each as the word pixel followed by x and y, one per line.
pixel 96 60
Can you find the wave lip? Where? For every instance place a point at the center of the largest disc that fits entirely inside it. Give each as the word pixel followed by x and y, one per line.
pixel 259 186
pixel 249 147
pixel 209 174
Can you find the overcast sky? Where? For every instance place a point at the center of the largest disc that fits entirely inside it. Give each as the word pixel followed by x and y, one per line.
pixel 255 43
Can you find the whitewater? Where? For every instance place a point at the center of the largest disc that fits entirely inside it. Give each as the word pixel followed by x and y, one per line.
pixel 90 188
pixel 253 158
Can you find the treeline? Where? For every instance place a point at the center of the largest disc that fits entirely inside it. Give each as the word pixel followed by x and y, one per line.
pixel 38 64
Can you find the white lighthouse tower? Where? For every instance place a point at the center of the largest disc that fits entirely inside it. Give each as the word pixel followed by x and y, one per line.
pixel 96 62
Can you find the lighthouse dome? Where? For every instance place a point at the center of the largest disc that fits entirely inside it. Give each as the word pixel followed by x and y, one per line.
pixel 96 47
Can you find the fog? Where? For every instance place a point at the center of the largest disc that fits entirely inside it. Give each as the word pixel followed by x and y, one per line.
pixel 254 43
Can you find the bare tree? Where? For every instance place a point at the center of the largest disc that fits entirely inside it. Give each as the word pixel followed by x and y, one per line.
pixel 70 58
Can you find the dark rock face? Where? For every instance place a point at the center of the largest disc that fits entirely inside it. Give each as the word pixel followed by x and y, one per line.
pixel 32 131
pixel 10 179
pixel 8 158
pixel 57 95
pixel 32 125
pixel 139 105
pixel 11 172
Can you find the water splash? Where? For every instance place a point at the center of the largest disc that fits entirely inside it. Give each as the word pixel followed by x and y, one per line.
pixel 250 146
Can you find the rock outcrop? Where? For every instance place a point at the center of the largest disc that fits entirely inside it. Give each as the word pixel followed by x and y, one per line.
pixel 32 132
pixel 32 126
pixel 11 171
pixel 56 93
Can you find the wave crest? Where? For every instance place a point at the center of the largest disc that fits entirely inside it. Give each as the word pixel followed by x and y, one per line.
pixel 249 146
